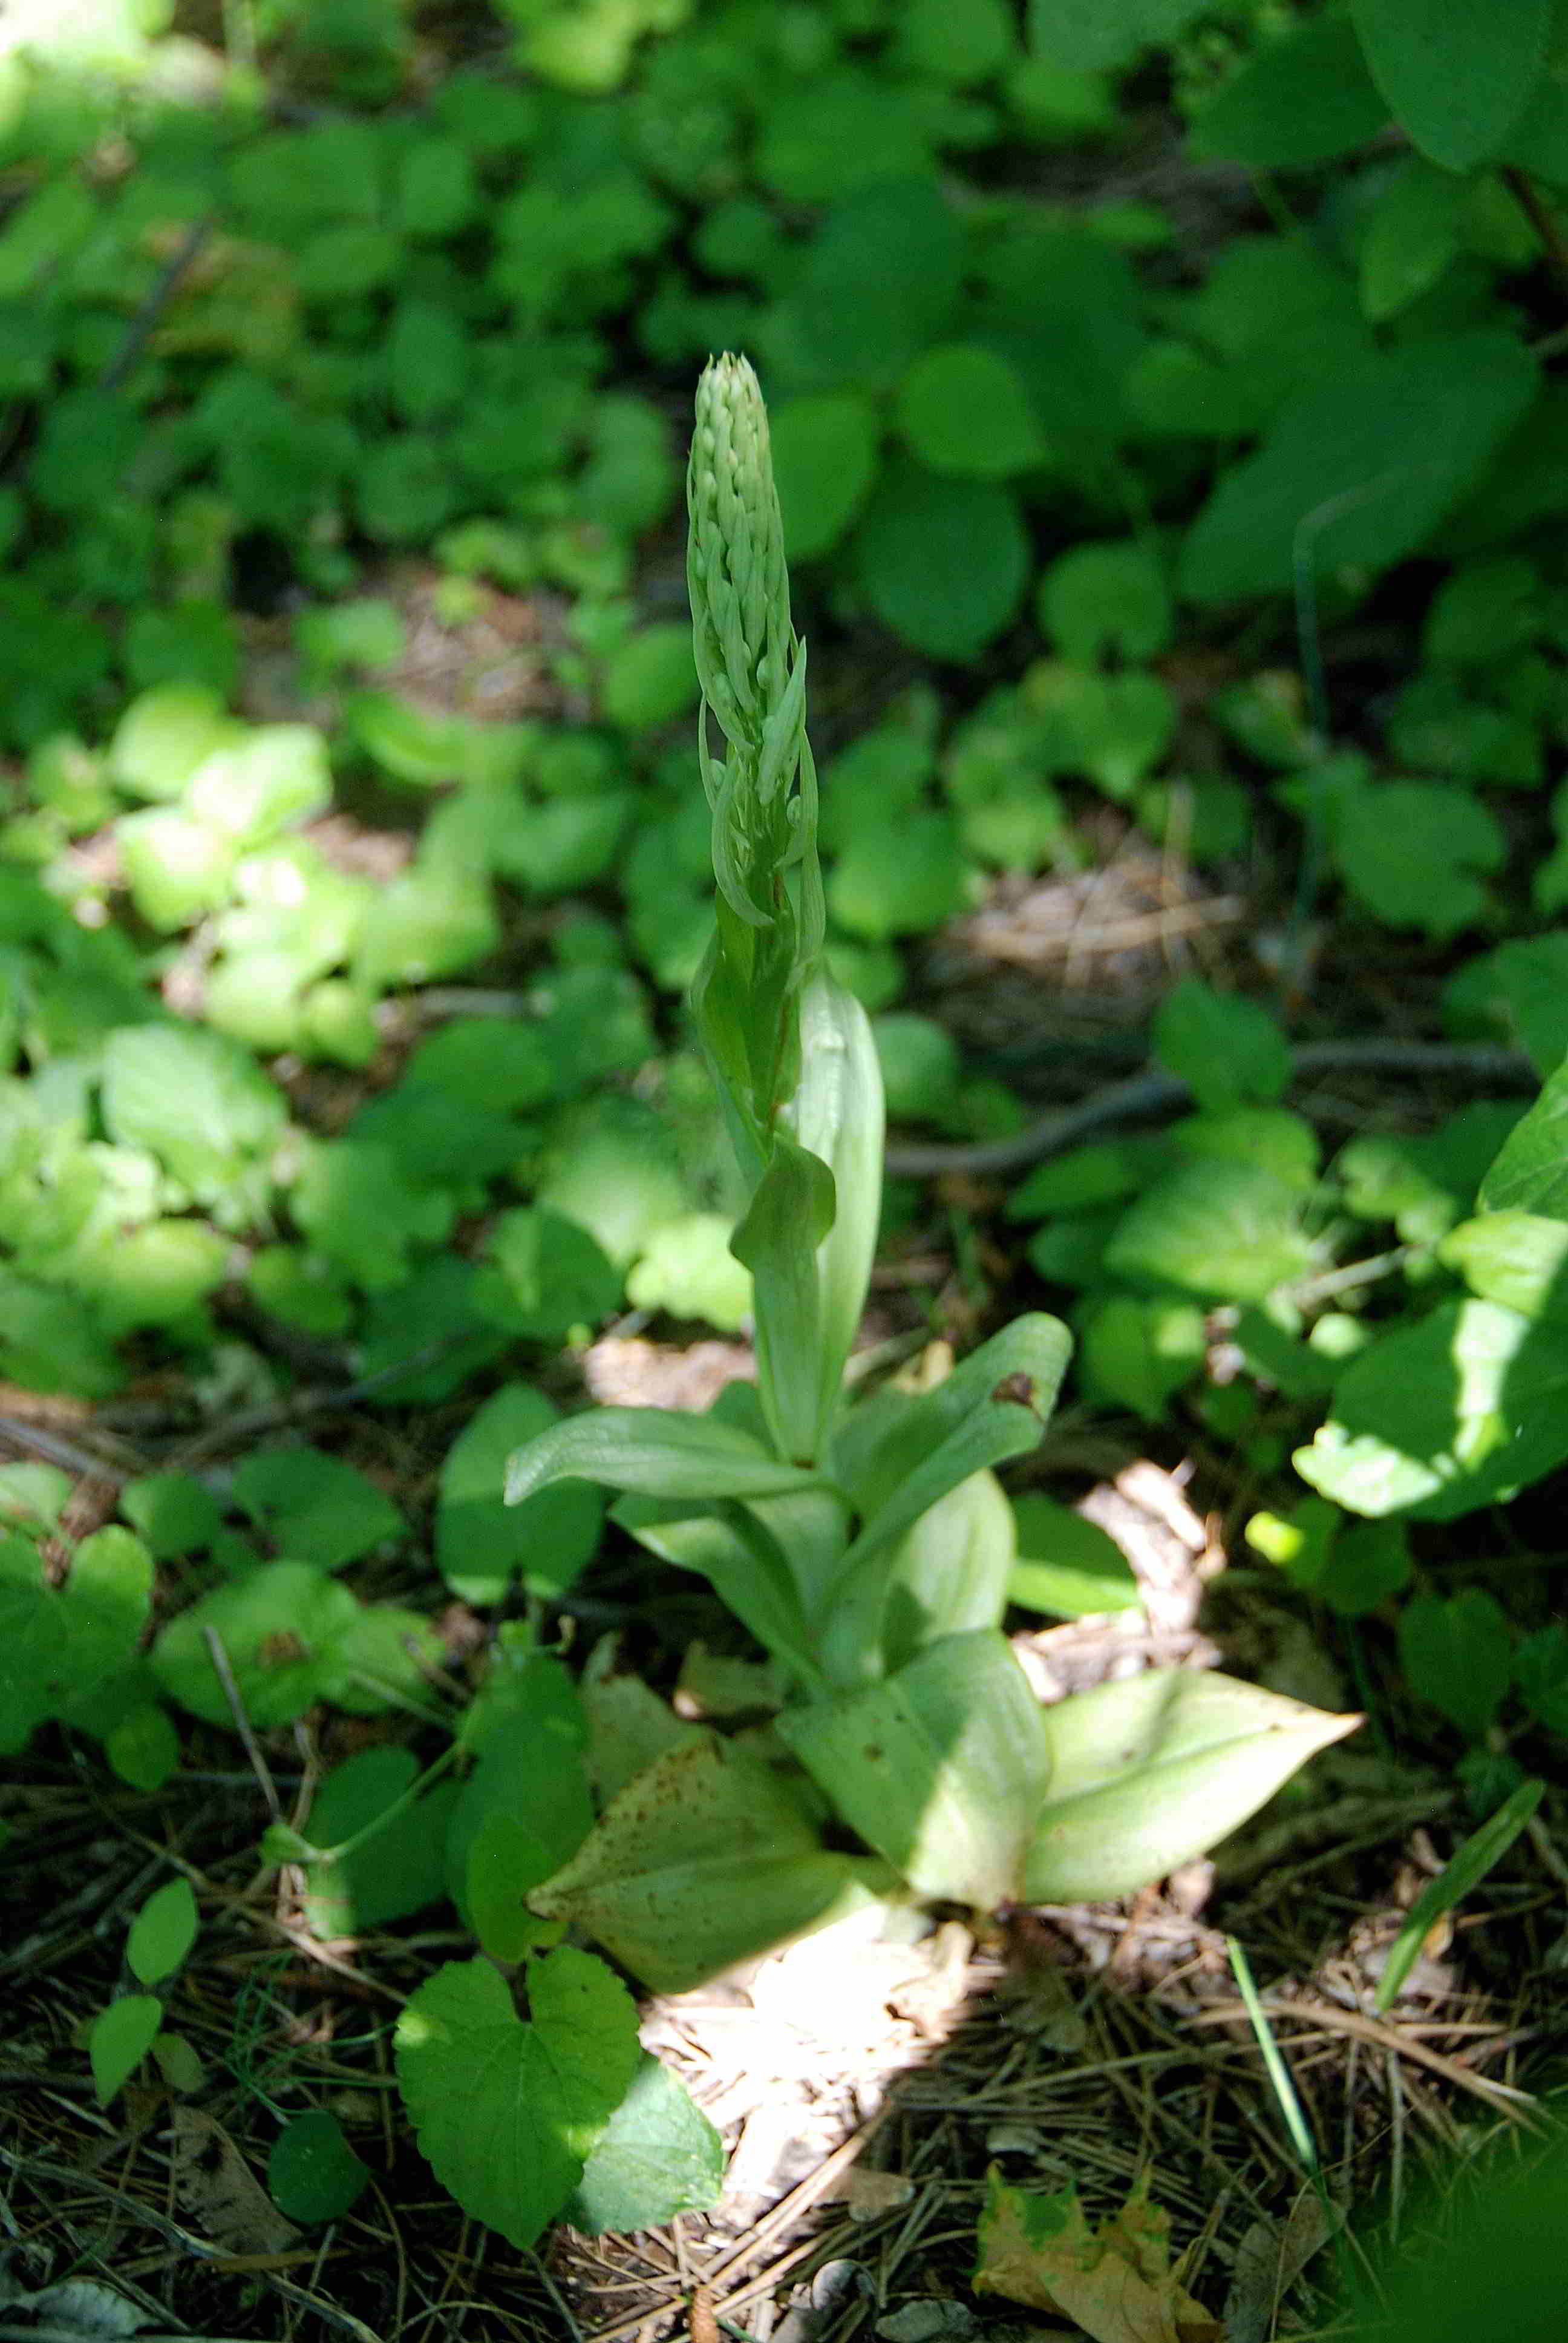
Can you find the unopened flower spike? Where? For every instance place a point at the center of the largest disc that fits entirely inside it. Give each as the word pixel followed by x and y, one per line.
pixel 749 665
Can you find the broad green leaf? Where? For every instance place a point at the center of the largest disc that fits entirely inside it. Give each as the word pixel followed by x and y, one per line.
pixel 506 1859
pixel 1230 1232
pixel 1411 852
pixel 653 1452
pixel 788 1219
pixel 265 782
pixel 656 2156
pixel 162 1933
pixel 428 922
pixel 1088 36
pixel 956 46
pixel 649 679
pixel 1302 99
pixel 921 1066
pixel 941 1767
pixel 1100 599
pixel 950 1573
pixel 1224 1047
pixel 1458 78
pixel 825 451
pixel 992 1407
pixel 143 1747
pixel 314 1507
pixel 943 561
pixel 964 410
pixel 530 1733
pixel 507 2111
pixel 398 1869
pixel 121 2038
pixel 541 1275
pixel 482 1543
pixel 1458 1654
pixel 705 1859
pixel 1271 1138
pixel 1521 989
pixel 311 2172
pixel 877 895
pixel 1530 1174
pixel 876 284
pixel 1149 1773
pixel 63 1646
pixel 1417 229
pixel 836 1115
pixel 628 1727
pixel 1540 1672
pixel 1067 1566
pixel 166 735
pixel 173 1513
pixel 1139 1352
pixel 1461 1410
pixel 1515 1258
pixel 197 1102
pixel 613 1166
pixel 33 1496
pixel 686 1269
pixel 363 1212
pixel 291 1637
pixel 1360 466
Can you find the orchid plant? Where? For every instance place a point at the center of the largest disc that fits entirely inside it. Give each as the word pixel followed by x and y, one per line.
pixel 861 1537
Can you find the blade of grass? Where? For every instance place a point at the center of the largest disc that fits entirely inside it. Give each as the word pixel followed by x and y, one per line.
pixel 1467 1868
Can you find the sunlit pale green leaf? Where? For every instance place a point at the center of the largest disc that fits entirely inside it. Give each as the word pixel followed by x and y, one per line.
pixel 1147 1773
pixel 941 1767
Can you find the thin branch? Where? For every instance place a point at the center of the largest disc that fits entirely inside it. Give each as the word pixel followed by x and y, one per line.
pixel 1153 1097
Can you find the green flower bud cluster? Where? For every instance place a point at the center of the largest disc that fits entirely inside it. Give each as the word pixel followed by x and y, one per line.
pixel 749 664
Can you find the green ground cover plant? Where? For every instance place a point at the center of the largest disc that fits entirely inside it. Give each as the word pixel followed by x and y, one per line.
pixel 365 808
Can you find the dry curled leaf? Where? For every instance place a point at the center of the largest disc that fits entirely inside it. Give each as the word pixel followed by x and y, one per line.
pixel 220 2193
pixel 1116 2280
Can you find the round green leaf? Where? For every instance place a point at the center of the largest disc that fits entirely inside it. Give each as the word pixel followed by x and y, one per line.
pixel 1457 76
pixel 508 2113
pixel 312 2173
pixel 942 562
pixel 824 459
pixel 121 2038
pixel 162 1933
pixel 1106 597
pixel 897 882
pixel 651 679
pixel 964 410
pixel 658 2156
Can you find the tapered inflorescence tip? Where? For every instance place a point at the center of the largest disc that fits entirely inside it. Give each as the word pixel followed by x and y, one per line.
pixel 735 573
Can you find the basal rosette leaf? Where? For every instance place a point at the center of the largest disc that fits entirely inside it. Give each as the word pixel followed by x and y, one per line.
pixel 653 1452
pixel 707 1858
pixel 1150 1774
pixel 942 1768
